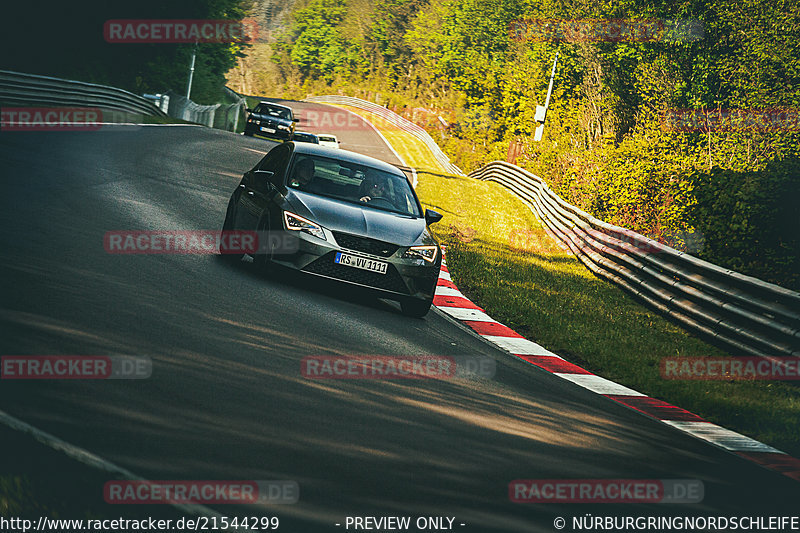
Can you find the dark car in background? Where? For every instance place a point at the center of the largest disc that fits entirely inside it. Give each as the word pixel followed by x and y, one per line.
pixel 270 120
pixel 348 217
pixel 305 137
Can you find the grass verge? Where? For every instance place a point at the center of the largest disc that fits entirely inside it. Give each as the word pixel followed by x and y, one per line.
pixel 500 257
pixel 414 152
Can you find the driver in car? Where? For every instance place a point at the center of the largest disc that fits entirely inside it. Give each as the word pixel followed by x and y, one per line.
pixel 375 189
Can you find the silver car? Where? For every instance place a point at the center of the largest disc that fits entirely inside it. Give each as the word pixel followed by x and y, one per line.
pixel 348 217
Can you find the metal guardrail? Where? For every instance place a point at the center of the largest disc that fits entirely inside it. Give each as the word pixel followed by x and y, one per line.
pixel 745 313
pixel 228 117
pixel 184 109
pixel 395 119
pixel 19 89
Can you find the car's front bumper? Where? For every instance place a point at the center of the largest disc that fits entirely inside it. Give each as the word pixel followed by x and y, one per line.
pixel 257 129
pixel 404 278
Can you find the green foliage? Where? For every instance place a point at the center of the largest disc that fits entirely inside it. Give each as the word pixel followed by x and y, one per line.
pixel 386 36
pixel 63 39
pixel 607 147
pixel 750 219
pixel 317 48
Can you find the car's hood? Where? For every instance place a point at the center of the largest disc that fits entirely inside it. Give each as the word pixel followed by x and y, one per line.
pixel 338 215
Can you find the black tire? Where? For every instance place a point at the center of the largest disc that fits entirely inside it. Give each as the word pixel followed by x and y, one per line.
pixel 416 308
pixel 263 259
pixel 228 226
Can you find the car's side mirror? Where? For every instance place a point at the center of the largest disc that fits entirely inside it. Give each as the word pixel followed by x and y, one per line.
pixel 248 109
pixel 432 217
pixel 262 177
pixel 295 120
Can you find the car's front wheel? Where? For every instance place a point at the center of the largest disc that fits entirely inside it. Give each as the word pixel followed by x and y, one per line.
pixel 228 225
pixel 263 257
pixel 416 308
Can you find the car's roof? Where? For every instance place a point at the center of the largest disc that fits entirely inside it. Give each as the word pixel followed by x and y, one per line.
pixel 344 155
pixel 274 104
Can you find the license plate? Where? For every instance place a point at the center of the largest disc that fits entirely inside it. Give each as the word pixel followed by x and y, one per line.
pixel 360 262
pixel 268 130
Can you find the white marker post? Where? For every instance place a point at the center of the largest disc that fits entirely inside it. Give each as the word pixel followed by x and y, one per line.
pixel 541 111
pixel 191 73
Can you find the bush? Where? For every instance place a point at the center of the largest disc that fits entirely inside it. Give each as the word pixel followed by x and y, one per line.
pixel 751 219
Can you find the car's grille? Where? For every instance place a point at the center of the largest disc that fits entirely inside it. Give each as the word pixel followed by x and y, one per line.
pixel 364 244
pixel 391 281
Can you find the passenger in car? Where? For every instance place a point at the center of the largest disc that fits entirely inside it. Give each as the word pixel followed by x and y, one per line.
pixel 304 177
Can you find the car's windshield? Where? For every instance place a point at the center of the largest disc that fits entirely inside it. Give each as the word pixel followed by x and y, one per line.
pixel 275 111
pixel 354 183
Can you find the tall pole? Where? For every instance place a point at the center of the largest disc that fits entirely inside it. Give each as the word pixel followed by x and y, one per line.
pixel 191 72
pixel 550 87
pixel 541 111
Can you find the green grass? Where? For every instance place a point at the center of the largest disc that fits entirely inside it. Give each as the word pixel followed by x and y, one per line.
pixel 501 258
pixel 412 150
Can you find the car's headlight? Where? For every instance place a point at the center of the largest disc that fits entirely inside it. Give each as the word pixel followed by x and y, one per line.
pixel 282 127
pixel 297 223
pixel 428 253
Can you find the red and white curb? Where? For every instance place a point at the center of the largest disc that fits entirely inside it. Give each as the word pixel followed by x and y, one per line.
pixel 452 302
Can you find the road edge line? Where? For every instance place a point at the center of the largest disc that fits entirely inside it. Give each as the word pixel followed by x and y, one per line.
pixel 91 460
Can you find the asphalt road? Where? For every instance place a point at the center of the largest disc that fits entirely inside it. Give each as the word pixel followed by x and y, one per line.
pixel 354 133
pixel 226 399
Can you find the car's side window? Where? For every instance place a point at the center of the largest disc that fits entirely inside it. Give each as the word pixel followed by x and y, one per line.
pixel 276 160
